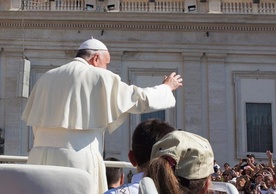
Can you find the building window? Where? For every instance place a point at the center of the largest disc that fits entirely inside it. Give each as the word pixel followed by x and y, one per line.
pixel 255 99
pixel 145 77
pixel 158 115
pixel 259 127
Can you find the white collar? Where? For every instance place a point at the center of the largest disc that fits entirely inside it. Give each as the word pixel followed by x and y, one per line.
pixel 81 60
pixel 136 178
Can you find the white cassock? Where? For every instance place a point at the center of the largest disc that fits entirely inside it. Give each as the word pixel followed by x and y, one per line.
pixel 71 106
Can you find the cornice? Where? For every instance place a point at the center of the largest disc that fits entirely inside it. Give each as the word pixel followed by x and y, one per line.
pixel 135 21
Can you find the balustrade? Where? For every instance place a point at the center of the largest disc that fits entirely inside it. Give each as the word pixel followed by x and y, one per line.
pixel 236 7
pixel 169 6
pixel 159 6
pixel 248 7
pixel 267 8
pixel 56 5
pixel 36 5
pixel 135 6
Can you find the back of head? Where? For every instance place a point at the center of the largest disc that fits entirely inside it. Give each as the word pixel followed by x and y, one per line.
pixel 188 159
pixel 192 153
pixel 226 165
pixel 145 135
pixel 113 174
pixel 93 44
pixel 89 47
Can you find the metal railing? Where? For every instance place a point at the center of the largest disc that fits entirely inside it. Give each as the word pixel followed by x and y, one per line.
pixel 13 159
pixel 23 160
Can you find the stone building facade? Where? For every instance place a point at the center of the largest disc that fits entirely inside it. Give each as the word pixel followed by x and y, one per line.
pixel 225 51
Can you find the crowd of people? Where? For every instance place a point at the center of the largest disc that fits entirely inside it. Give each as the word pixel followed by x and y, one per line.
pixel 171 158
pixel 248 176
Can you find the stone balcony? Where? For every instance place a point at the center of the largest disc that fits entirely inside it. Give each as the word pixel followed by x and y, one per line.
pixel 157 6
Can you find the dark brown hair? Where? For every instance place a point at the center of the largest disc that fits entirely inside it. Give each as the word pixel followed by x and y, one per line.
pixel 166 182
pixel 145 135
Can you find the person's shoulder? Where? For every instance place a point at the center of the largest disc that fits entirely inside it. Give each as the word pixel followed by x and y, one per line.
pixel 106 75
pixel 110 191
pixel 125 189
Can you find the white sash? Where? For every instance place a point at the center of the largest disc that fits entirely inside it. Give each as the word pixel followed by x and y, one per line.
pixel 68 138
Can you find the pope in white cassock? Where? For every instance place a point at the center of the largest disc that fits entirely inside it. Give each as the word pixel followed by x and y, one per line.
pixel 71 106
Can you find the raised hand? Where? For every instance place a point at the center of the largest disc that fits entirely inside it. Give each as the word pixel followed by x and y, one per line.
pixel 268 154
pixel 173 80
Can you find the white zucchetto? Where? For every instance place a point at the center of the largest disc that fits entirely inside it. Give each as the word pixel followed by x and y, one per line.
pixel 93 44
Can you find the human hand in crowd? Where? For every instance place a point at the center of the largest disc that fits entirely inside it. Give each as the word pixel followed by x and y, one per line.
pixel 233 173
pixel 265 172
pixel 259 167
pixel 263 185
pixel 173 80
pixel 268 154
pixel 249 162
pixel 242 161
pixel 270 170
pixel 259 179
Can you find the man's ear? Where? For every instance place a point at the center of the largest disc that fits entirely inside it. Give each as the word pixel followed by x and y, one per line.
pixel 122 180
pixel 132 158
pixel 94 60
pixel 207 185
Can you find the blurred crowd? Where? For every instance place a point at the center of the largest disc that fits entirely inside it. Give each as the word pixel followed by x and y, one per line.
pixel 248 176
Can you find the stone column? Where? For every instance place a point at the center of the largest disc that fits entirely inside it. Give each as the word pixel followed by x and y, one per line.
pixel 151 6
pixel 16 131
pixel 2 89
pixel 214 6
pixel 193 93
pixel 255 8
pixel 10 5
pixel 117 143
pixel 216 88
pixel 190 4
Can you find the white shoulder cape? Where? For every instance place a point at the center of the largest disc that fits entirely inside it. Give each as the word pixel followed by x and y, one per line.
pixel 80 96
